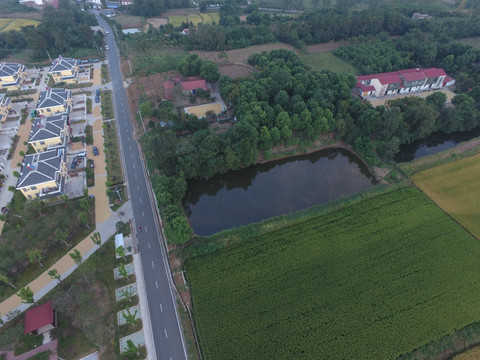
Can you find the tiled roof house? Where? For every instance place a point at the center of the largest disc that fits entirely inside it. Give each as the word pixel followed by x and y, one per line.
pixel 49 132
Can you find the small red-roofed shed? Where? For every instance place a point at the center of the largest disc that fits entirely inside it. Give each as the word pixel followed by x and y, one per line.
pixel 193 85
pixel 40 319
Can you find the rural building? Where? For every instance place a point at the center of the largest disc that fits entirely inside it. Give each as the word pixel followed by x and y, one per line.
pixel 189 85
pixel 126 2
pixel 64 70
pixel 52 101
pixel 109 12
pixel 403 82
pixel 49 132
pixel 12 75
pixel 420 16
pixel 5 106
pixel 113 4
pixel 40 319
pixel 43 174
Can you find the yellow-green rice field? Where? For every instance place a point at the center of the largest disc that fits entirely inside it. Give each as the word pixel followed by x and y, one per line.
pixel 16 24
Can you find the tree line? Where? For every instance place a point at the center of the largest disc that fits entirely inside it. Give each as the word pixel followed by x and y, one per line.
pixel 61 31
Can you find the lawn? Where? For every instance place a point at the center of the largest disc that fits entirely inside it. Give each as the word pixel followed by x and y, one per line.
pixel 112 154
pixel 371 281
pixel 16 24
pixel 327 61
pixel 454 187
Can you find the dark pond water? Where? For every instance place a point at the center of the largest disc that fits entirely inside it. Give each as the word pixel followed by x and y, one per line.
pixel 435 143
pixel 263 191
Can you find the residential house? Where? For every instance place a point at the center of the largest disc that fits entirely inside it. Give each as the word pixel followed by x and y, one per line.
pixel 40 319
pixel 49 132
pixel 64 70
pixel 109 12
pixel 43 174
pixel 403 82
pixel 12 75
pixel 420 16
pixel 126 2
pixel 5 106
pixel 190 84
pixel 113 4
pixel 52 101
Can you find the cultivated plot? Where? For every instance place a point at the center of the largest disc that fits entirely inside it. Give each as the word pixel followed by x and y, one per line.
pixel 372 281
pixel 454 187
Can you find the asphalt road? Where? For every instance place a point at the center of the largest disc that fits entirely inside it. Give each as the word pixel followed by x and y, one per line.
pixel 166 330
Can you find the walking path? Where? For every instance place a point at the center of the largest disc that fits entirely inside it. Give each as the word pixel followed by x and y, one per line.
pixel 52 346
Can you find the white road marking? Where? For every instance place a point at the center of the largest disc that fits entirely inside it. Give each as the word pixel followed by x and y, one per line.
pixel 153 265
pixel 156 284
pixel 138 189
pixel 166 335
pixel 161 309
pixel 140 200
pixel 143 214
pixel 149 246
pixel 133 164
pixel 146 230
pixel 135 176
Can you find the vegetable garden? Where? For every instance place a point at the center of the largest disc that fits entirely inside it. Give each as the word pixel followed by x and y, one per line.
pixel 371 281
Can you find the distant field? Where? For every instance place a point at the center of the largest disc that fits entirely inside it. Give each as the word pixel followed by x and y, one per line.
pixel 16 24
pixel 454 187
pixel 473 41
pixel 371 281
pixel 472 354
pixel 129 21
pixel 327 61
pixel 195 19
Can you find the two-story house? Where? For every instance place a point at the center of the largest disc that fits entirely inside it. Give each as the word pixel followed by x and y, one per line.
pixel 64 70
pixel 49 132
pixel 12 75
pixel 43 174
pixel 403 82
pixel 5 106
pixel 52 101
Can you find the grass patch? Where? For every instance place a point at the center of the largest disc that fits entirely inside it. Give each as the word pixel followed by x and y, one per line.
pixel 88 134
pixel 327 61
pixel 107 105
pixel 104 73
pixel 454 187
pixel 210 18
pixel 82 53
pixel 29 226
pixel 364 282
pixel 89 106
pixel 116 199
pixel 16 24
pixel 41 356
pixel 112 154
pixel 28 342
pixel 177 20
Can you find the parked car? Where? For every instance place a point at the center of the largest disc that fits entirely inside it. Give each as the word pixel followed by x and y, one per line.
pixel 97 99
pixel 106 47
pixel 97 92
pixel 95 150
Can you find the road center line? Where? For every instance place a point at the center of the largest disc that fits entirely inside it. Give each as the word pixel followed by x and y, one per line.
pixel 146 230
pixel 161 308
pixel 153 265
pixel 156 284
pixel 166 335
pixel 149 246
pixel 135 176
pixel 143 214
pixel 133 164
pixel 138 188
pixel 140 200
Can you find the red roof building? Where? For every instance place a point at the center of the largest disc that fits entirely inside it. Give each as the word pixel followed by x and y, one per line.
pixel 192 85
pixel 40 319
pixel 403 82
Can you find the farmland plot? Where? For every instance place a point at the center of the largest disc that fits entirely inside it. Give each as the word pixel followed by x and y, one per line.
pixel 371 281
pixel 454 187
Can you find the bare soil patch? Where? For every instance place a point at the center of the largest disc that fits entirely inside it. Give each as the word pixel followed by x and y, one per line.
pixel 129 21
pixel 157 21
pixel 148 87
pixel 240 55
pixel 236 70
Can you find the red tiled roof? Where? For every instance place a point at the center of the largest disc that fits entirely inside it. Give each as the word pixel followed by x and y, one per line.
pixel 434 72
pixel 38 316
pixel 192 85
pixel 365 87
pixel 414 75
pixel 389 79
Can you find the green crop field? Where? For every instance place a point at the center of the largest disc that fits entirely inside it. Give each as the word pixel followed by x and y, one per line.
pixel 16 24
pixel 195 19
pixel 210 18
pixel 371 281
pixel 327 61
pixel 454 187
pixel 176 20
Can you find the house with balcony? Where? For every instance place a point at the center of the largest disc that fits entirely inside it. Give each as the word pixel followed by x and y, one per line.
pixel 12 75
pixel 43 174
pixel 5 106
pixel 50 132
pixel 403 82
pixel 52 101
pixel 64 70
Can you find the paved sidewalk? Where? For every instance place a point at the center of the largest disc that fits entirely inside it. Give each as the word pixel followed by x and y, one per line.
pixel 52 346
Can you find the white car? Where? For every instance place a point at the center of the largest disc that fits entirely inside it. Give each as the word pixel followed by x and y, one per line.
pixel 106 32
pixel 106 47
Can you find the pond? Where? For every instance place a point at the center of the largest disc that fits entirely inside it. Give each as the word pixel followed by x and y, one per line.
pixel 280 187
pixel 433 144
